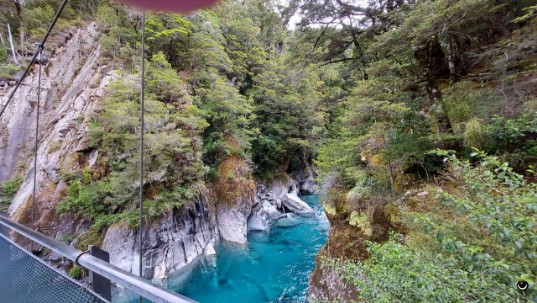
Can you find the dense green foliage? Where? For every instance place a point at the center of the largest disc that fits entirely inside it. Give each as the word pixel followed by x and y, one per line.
pixel 498 203
pixel 396 273
pixel 288 111
pixel 472 245
pixel 173 166
pixel 363 89
pixel 8 190
pixel 219 86
pixel 421 75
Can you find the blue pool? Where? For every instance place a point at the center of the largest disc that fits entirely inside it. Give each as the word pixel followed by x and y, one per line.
pixel 275 266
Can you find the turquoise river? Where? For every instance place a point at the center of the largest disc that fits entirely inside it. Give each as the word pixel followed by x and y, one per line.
pixel 274 266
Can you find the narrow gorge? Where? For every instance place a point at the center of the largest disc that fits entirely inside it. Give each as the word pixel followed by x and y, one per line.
pixel 173 240
pixel 294 151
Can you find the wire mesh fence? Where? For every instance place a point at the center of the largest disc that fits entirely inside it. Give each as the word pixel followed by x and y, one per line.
pixel 24 278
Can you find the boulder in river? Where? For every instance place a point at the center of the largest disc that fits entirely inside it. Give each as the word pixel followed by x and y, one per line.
pixel 293 203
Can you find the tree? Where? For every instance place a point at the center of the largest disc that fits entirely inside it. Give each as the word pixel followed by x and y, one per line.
pixel 169 34
pixel 173 149
pixel 229 115
pixel 207 47
pixel 286 107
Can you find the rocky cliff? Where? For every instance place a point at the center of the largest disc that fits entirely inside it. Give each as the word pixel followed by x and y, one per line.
pixel 171 242
pixel 73 83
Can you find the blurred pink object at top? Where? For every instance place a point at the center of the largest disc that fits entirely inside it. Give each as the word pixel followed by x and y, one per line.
pixel 170 5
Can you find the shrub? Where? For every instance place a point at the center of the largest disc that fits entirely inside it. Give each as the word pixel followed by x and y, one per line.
pixel 361 221
pixel 457 105
pixel 7 190
pixel 54 147
pixel 486 223
pixel 8 71
pixel 397 273
pixel 68 238
pixel 89 237
pixel 501 203
pixel 531 105
pixel 469 242
pixel 3 54
pixel 95 133
pixel 474 134
pixel 76 272
pixel 10 188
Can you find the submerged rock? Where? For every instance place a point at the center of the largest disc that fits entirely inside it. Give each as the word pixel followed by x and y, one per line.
pixel 209 249
pixel 288 220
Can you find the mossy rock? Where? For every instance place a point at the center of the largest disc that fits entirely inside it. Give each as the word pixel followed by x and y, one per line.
pixel 89 237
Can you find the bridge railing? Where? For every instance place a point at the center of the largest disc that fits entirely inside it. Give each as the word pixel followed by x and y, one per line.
pixel 115 274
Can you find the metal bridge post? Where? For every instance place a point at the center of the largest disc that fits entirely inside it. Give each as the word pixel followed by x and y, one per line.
pixel 100 284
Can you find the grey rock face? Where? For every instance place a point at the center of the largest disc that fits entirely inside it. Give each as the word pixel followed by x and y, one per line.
pixel 209 249
pixel 232 224
pixel 309 186
pixel 303 172
pixel 280 197
pixel 327 285
pixel 120 242
pixel 65 97
pixel 72 83
pixel 171 242
pixel 232 218
pixel 265 208
pixel 259 218
pixel 286 196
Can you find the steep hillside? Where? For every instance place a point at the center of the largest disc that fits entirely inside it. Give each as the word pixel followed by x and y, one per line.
pixel 416 120
pixel 410 220
pixel 205 146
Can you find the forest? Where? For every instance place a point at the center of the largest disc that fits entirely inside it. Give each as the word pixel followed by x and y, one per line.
pixel 418 116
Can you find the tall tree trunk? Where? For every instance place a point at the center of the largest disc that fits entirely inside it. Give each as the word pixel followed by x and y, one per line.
pixel 12 46
pixel 21 35
pixel 454 57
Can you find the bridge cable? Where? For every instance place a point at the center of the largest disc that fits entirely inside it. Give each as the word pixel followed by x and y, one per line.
pixel 142 131
pixel 51 27
pixel 36 145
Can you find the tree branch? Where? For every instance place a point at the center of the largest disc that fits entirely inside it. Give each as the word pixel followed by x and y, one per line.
pixel 340 60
